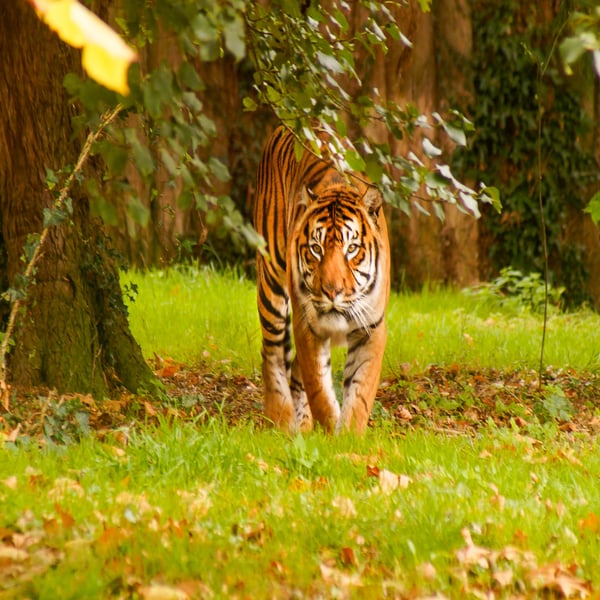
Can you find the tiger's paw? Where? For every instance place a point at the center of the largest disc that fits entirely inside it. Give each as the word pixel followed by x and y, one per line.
pixel 281 415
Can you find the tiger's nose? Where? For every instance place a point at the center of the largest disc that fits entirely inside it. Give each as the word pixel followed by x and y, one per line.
pixel 332 290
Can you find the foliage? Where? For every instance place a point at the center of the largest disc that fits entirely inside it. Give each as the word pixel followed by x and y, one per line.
pixel 513 289
pixel 526 109
pixel 306 72
pixel 302 59
pixel 59 212
pixel 584 38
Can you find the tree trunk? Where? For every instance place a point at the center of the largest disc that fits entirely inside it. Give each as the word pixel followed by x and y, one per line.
pixel 73 335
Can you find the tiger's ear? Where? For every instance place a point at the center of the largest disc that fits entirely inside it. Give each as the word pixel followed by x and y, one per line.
pixel 373 200
pixel 307 196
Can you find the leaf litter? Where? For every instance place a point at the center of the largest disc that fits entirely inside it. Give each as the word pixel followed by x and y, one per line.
pixel 450 399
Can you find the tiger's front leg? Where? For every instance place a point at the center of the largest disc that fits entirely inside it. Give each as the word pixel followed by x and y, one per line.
pixel 276 356
pixel 304 420
pixel 361 378
pixel 313 355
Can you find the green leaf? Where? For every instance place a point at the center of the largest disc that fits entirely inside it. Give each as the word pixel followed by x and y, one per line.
pixel 116 157
pixel 138 212
pixel 141 154
pixel 218 169
pixel 100 207
pixel 572 48
pixel 185 200
pixel 249 104
pixel 51 178
pixel 491 195
pixel 593 208
pixel 430 150
pixel 204 30
pixel 54 217
pixel 374 168
pixel 330 63
pixel 235 37
pixel 355 160
pixel 190 78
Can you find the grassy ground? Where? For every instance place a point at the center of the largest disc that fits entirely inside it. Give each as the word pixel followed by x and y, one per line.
pixel 472 482
pixel 196 316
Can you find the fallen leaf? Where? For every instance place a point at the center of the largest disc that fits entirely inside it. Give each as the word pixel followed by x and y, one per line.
pixel 339 578
pixel 427 570
pixel 162 592
pixel 348 557
pixel 555 578
pixel 66 517
pixel 373 470
pixel 345 507
pixel 471 554
pixel 504 578
pixel 10 554
pixel 590 523
pixel 11 482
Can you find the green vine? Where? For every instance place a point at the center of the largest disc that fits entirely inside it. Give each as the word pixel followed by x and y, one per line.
pixel 517 113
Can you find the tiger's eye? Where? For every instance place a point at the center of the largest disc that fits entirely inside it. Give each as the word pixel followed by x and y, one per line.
pixel 352 250
pixel 316 250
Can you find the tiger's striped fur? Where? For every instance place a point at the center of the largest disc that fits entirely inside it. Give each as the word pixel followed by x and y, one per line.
pixel 326 263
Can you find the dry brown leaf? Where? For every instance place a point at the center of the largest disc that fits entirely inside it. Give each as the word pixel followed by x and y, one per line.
pixel 345 507
pixel 66 517
pixel 10 554
pixel 427 570
pixel 555 578
pixel 590 523
pixel 150 410
pixel 11 482
pixel 373 470
pixel 162 592
pixel 339 578
pixel 348 557
pixel 471 554
pixel 504 578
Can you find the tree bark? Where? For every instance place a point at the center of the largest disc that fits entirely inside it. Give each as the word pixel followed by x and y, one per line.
pixel 73 334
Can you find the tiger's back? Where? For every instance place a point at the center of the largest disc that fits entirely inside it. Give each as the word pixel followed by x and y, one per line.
pixel 327 265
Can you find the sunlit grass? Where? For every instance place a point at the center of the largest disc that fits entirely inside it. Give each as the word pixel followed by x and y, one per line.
pixel 217 510
pixel 194 315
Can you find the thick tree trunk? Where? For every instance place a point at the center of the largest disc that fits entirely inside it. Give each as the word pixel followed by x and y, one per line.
pixel 73 335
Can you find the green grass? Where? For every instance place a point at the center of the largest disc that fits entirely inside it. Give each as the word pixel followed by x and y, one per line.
pixel 205 510
pixel 195 315
pixel 256 514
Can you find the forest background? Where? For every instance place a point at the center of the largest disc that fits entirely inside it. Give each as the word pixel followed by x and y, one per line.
pixel 496 62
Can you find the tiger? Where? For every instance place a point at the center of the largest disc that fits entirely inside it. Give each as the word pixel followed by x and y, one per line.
pixel 325 274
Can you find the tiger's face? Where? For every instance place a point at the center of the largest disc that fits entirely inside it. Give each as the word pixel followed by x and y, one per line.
pixel 335 263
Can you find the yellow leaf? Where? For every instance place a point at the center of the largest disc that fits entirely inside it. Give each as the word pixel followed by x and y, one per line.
pixel 105 68
pixel 57 15
pixel 106 57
